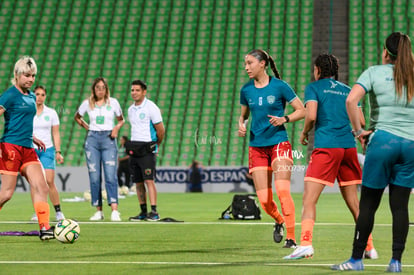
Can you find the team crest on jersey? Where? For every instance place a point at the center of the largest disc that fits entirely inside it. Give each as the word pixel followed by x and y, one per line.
pixel 142 115
pixel 148 171
pixel 271 99
pixel 108 107
pixel 47 118
pixel 333 84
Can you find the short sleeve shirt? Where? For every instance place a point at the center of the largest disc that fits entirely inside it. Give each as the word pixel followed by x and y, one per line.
pixel 332 127
pixel 269 100
pixel 101 118
pixel 388 112
pixel 43 123
pixel 19 112
pixel 143 117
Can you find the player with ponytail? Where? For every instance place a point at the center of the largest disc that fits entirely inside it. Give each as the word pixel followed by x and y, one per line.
pixel 270 152
pixel 334 156
pixel 389 160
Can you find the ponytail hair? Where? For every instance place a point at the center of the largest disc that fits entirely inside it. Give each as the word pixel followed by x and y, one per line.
pixel 328 65
pixel 262 55
pixel 398 47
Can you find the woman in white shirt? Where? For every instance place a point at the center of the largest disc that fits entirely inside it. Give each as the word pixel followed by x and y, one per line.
pixel 46 128
pixel 100 145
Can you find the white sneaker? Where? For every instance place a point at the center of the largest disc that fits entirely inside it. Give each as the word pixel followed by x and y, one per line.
pixel 97 216
pixel 34 218
pixel 300 253
pixel 371 254
pixel 115 216
pixel 59 216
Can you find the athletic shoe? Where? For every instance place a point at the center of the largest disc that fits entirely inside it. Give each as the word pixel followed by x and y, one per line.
pixel 59 216
pixel 394 266
pixel 34 218
pixel 289 243
pixel 115 216
pixel 278 232
pixel 153 216
pixel 354 265
pixel 98 216
pixel 371 254
pixel 300 253
pixel 141 217
pixel 47 234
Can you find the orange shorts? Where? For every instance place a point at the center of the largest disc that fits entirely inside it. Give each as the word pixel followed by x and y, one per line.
pixel 15 157
pixel 262 158
pixel 328 164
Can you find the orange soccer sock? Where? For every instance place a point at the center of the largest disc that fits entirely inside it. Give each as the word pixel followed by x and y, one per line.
pixel 288 206
pixel 265 197
pixel 42 211
pixel 307 232
pixel 370 243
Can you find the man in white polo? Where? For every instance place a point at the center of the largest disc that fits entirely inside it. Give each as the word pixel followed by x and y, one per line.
pixel 147 133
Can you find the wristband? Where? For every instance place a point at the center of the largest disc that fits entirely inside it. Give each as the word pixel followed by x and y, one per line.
pixel 58 152
pixel 357 133
pixel 287 119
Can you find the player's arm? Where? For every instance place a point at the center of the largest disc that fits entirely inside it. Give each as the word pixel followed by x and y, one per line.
pixel 356 94
pixel 2 110
pixel 299 112
pixel 81 122
pixel 244 116
pixel 117 127
pixel 56 142
pixel 310 119
pixel 361 117
pixel 159 128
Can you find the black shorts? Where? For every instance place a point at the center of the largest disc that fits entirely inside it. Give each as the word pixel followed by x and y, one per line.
pixel 142 168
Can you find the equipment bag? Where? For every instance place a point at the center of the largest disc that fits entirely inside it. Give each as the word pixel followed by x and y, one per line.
pixel 243 207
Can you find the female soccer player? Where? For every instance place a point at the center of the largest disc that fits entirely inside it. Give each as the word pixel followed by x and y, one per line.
pixel 46 127
pixel 18 104
pixel 335 154
pixel 100 146
pixel 389 157
pixel 269 149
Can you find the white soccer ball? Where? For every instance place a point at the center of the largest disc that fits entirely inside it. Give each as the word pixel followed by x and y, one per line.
pixel 124 190
pixel 87 195
pixel 67 231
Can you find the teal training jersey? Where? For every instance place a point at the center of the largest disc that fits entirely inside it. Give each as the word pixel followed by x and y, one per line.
pixel 388 112
pixel 19 112
pixel 269 100
pixel 332 127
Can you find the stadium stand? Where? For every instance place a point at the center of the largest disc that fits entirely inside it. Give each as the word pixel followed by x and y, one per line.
pixel 190 52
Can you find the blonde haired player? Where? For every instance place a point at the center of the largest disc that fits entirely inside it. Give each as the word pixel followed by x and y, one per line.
pixel 18 105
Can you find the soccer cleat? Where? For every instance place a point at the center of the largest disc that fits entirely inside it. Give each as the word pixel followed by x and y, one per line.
pixel 371 254
pixel 289 243
pixel 300 252
pixel 278 232
pixel 47 234
pixel 98 216
pixel 59 216
pixel 34 218
pixel 153 216
pixel 115 216
pixel 141 217
pixel 394 266
pixel 351 265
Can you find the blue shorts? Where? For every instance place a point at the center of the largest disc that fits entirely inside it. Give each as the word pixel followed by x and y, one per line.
pixel 47 158
pixel 389 159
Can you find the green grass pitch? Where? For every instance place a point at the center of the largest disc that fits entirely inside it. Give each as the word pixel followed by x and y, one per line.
pixel 202 244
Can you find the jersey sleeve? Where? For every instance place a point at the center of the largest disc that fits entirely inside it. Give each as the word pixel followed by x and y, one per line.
pixel 310 94
pixel 365 80
pixel 116 106
pixel 5 100
pixel 83 108
pixel 155 115
pixel 288 93
pixel 243 99
pixel 54 117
